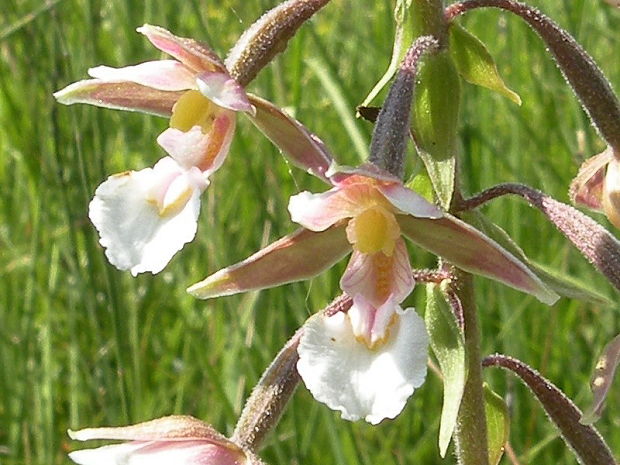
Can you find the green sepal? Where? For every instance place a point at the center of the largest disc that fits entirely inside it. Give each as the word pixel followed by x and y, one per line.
pixel 498 424
pixel 434 122
pixel 475 64
pixel 448 345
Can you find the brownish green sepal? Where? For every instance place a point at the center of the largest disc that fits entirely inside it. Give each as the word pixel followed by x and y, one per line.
pixel 475 64
pixel 434 122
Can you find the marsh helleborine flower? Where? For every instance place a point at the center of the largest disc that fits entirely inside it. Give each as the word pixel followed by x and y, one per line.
pixel 144 217
pixel 179 440
pixel 367 362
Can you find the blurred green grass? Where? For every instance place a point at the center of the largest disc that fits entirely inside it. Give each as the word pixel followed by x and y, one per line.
pixel 82 344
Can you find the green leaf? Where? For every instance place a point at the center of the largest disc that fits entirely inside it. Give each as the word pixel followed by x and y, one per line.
pixel 446 340
pixel 475 64
pixel 564 285
pixel 402 39
pixel 498 424
pixel 422 184
pixel 434 122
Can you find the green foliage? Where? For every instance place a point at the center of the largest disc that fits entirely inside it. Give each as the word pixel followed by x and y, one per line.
pixel 498 424
pixel 82 344
pixel 475 64
pixel 435 122
pixel 446 340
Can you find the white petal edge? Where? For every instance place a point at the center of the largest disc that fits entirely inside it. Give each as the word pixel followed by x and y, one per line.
pixel 158 453
pixel 136 237
pixel 359 382
pixel 409 202
pixel 169 75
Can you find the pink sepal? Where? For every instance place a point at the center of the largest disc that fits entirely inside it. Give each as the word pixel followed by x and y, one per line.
pixel 223 90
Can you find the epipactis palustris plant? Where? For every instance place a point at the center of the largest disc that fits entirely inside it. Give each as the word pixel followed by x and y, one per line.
pixel 364 355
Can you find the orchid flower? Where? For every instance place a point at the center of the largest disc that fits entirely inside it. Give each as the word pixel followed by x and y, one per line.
pixel 181 440
pixel 597 185
pixel 367 362
pixel 144 217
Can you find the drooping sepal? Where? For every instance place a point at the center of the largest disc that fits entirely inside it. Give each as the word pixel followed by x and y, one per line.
pixel 470 250
pixel 301 147
pixel 298 256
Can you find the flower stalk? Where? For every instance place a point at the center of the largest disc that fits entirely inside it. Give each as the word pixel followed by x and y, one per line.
pixel 269 398
pixel 267 37
pixel 471 427
pixel 582 73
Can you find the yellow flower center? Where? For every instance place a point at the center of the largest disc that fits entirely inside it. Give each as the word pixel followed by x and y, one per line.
pixel 192 109
pixel 373 230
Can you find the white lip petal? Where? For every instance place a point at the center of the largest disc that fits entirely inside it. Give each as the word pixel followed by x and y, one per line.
pixel 359 382
pixel 136 234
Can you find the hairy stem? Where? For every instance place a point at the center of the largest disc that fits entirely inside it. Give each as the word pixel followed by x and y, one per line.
pixel 597 244
pixel 471 427
pixel 586 442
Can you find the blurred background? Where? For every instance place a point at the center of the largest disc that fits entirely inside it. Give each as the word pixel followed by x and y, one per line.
pixel 83 344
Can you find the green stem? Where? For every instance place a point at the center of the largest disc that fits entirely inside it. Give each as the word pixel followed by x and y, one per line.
pixel 471 428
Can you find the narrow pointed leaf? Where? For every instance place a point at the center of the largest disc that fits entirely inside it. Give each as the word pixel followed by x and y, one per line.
pixel 300 146
pixel 119 96
pixel 446 340
pixel 475 64
pixel 498 424
pixel 584 440
pixel 469 249
pixel 564 285
pixel 298 256
pixel 402 38
pixel 434 122
pixel 602 380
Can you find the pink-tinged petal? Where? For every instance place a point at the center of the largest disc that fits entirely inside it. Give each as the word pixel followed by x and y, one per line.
pixel 319 211
pixel 169 75
pixel 611 193
pixel 139 224
pixel 587 187
pixel 347 376
pixel 189 452
pixel 302 148
pixel 469 249
pixel 224 91
pixel 195 148
pixel 372 324
pixel 377 276
pixel 119 96
pixel 408 201
pixel 196 55
pixel 170 427
pixel 298 256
